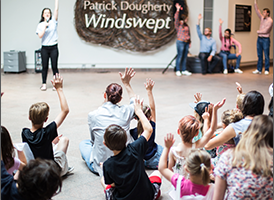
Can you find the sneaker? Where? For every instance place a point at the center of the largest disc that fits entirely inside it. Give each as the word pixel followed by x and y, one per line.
pixel 256 72
pixel 178 73
pixel 70 169
pixel 43 87
pixel 238 71
pixel 266 72
pixel 187 73
pixel 225 71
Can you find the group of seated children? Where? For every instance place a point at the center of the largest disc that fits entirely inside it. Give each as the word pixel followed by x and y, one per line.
pixel 241 168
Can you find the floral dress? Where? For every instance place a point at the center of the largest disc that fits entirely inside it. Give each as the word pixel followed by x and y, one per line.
pixel 242 183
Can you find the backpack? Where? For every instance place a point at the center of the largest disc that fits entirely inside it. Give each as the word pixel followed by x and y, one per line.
pixel 209 195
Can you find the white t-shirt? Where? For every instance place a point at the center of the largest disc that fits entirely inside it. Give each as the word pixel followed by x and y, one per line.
pixel 50 37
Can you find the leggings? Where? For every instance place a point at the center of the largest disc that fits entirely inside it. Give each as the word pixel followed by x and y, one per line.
pixel 46 53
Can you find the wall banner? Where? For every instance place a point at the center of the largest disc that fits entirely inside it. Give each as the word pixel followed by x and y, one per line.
pixel 135 25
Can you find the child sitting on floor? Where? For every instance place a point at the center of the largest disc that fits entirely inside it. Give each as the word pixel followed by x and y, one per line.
pixel 197 165
pixel 40 138
pixel 228 117
pixel 188 129
pixel 154 150
pixel 11 162
pixel 125 172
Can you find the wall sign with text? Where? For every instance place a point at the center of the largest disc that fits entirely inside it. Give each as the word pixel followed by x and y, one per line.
pixel 242 18
pixel 135 25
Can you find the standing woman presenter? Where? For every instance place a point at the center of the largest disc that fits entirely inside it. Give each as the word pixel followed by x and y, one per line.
pixel 47 31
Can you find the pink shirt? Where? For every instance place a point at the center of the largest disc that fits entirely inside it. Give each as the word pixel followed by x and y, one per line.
pixel 15 166
pixel 189 188
pixel 265 25
pixel 232 41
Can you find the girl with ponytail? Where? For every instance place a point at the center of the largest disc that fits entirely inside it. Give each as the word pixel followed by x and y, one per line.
pixel 198 165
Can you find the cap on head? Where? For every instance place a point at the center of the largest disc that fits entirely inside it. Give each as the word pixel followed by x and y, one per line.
pixel 200 107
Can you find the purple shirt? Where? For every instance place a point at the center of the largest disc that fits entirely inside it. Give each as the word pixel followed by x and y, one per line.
pixel 265 25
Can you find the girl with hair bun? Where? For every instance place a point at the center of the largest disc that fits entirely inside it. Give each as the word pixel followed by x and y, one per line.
pixel 93 150
pixel 198 166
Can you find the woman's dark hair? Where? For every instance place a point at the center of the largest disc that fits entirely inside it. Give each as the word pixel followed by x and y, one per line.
pixel 7 148
pixel 253 104
pixel 42 18
pixel 270 107
pixel 114 93
pixel 183 17
pixel 39 179
pixel 115 137
pixel 229 31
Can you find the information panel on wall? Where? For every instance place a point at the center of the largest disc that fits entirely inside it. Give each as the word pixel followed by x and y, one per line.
pixel 126 24
pixel 242 18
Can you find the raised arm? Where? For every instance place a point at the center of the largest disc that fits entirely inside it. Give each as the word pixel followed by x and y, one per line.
pixel 176 16
pixel 257 10
pixel 149 86
pixel 220 29
pixel 167 173
pixel 57 82
pixel 126 77
pixel 206 137
pixel 198 26
pixel 144 121
pixel 56 10
pixel 227 134
pixel 239 88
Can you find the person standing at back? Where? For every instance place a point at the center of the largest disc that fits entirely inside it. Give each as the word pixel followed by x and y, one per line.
pixel 263 41
pixel 47 31
pixel 183 42
pixel 207 49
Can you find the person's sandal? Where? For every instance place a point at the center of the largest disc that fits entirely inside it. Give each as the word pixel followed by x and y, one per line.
pixel 43 88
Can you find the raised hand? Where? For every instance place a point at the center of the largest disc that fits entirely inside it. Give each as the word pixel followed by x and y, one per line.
pixel 169 140
pixel 219 104
pixel 149 84
pixel 178 6
pixel 206 114
pixel 138 104
pixel 127 76
pixel 57 81
pixel 220 21
pixel 200 16
pixel 239 88
pixel 198 97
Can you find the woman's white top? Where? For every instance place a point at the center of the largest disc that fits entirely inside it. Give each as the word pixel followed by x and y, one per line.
pixel 50 37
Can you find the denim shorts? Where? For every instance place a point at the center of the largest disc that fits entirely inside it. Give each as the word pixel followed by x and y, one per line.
pixel 153 162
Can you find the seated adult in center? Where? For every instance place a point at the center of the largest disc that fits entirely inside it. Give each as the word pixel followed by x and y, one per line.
pixel 93 151
pixel 227 42
pixel 207 49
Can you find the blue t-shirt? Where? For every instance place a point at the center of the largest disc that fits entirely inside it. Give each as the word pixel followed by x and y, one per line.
pixel 152 146
pixel 8 185
pixel 240 127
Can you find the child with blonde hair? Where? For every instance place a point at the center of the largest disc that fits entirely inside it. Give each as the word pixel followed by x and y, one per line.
pixel 228 117
pixel 188 129
pixel 197 165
